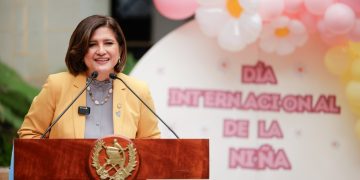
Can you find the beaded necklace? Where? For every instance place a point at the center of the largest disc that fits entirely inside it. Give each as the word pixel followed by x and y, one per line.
pixel 96 101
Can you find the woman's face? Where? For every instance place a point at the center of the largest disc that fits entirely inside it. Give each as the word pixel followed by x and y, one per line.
pixel 103 52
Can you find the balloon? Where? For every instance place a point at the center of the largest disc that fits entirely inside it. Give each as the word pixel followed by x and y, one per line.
pixel 310 21
pixel 355 4
pixel 355 109
pixel 355 69
pixel 357 128
pixel 231 38
pixel 234 8
pixel 317 7
pixel 175 9
pixel 352 92
pixel 270 9
pixel 355 32
pixel 293 6
pixel 329 37
pixel 236 34
pixel 211 19
pixel 338 60
pixel 346 78
pixel 339 18
pixel 210 2
pixel 283 35
pixel 354 47
pixel 353 95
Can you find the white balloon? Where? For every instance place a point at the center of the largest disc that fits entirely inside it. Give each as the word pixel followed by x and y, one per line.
pixel 283 45
pixel 231 38
pixel 339 18
pixel 252 26
pixel 285 48
pixel 300 34
pixel 317 7
pixel 293 6
pixel 270 9
pixel 211 19
pixel 233 33
pixel 210 2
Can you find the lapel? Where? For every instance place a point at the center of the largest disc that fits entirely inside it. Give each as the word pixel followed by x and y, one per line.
pixel 119 97
pixel 79 121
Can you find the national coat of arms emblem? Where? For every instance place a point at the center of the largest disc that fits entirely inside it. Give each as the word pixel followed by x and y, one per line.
pixel 113 161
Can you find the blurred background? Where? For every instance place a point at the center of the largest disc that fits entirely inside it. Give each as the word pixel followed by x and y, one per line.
pixel 34 36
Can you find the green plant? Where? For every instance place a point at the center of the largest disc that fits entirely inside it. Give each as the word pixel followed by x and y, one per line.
pixel 130 63
pixel 15 99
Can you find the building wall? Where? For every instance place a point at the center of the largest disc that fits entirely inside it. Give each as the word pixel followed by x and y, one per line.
pixel 34 34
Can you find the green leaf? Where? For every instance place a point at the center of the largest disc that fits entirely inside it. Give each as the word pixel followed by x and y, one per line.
pixel 7 116
pixel 15 93
pixel 15 99
pixel 130 63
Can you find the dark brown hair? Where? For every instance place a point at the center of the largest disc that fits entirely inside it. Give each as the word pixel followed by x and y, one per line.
pixel 80 38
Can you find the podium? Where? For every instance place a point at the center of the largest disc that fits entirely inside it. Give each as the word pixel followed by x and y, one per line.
pixel 69 158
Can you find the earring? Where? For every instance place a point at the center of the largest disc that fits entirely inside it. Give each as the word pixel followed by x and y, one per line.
pixel 117 65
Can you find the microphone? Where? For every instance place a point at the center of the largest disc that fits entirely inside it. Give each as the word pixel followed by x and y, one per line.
pixel 113 76
pixel 93 76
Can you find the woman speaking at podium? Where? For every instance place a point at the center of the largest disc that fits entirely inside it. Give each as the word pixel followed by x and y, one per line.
pixel 85 102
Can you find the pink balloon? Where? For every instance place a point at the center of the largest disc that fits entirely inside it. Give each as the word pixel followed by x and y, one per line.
pixel 270 9
pixel 334 40
pixel 339 18
pixel 176 9
pixel 317 7
pixel 293 6
pixel 355 32
pixel 328 37
pixel 354 4
pixel 310 21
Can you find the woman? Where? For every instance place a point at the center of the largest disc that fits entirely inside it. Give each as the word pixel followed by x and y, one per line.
pixel 97 44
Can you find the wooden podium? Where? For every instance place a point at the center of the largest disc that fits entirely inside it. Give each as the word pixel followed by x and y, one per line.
pixel 69 158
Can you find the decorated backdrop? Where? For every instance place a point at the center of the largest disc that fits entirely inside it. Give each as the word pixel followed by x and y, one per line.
pixel 277 96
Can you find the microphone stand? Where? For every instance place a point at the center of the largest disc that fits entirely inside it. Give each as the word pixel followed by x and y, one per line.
pixel 93 76
pixel 113 76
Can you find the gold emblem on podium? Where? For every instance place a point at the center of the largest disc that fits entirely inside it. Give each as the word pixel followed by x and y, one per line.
pixel 114 162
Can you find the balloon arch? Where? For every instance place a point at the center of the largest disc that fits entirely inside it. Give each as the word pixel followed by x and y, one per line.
pixel 281 26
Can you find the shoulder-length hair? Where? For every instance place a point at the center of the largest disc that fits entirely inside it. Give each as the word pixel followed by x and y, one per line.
pixel 80 38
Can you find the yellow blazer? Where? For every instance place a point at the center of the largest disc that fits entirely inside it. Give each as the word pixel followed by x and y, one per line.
pixel 130 117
